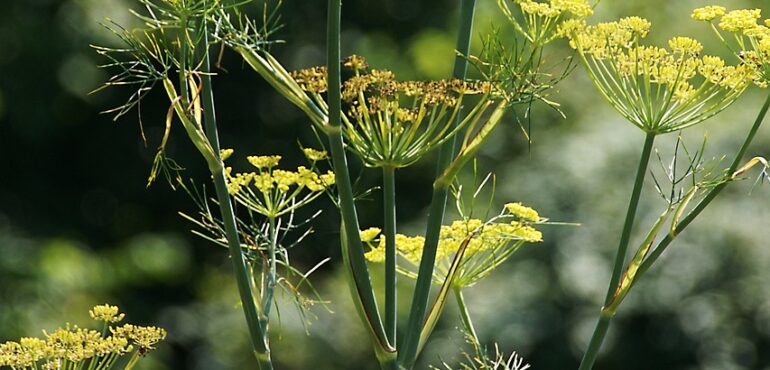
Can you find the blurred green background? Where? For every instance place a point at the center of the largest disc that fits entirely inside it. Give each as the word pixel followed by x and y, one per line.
pixel 78 227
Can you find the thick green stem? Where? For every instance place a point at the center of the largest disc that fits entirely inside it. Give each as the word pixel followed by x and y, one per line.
pixel 465 316
pixel 710 195
pixel 408 353
pixel 620 259
pixel 258 333
pixel 596 341
pixel 354 249
pixel 391 278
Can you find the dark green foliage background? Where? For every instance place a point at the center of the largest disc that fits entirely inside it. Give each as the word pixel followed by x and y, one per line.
pixel 78 227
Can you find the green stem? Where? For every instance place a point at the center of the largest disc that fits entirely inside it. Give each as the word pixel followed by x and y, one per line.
pixel 408 353
pixel 354 251
pixel 620 259
pixel 258 334
pixel 710 195
pixel 391 279
pixel 267 301
pixel 467 323
pixel 183 92
pixel 596 341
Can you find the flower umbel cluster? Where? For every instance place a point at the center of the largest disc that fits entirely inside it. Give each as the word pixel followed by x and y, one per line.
pixel 487 244
pixel 541 22
pixel 751 41
pixel 72 347
pixel 273 192
pixel 394 123
pixel 657 89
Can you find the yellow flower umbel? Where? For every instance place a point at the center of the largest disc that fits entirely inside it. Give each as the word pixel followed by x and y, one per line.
pixel 72 347
pixel 657 89
pixel 750 40
pixel 394 123
pixel 106 313
pixel 542 22
pixel 489 244
pixel 273 192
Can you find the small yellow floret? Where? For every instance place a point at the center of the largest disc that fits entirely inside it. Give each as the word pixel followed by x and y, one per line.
pixel 315 155
pixel 264 161
pixel 708 13
pixel 637 25
pixel 540 9
pixel 570 27
pixel 739 20
pixel 580 8
pixel 376 254
pixel 369 234
pixel 523 212
pixel 685 45
pixel 106 313
pixel 226 153
pixel 526 233
pixel 143 336
pixel 355 62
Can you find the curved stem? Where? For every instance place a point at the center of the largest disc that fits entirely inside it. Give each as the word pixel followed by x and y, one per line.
pixel 710 195
pixel 620 259
pixel 258 333
pixel 408 353
pixel 391 278
pixel 467 323
pixel 272 245
pixel 352 248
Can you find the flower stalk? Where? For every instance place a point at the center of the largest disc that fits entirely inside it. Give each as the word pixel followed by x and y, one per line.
pixel 606 316
pixel 709 197
pixel 353 251
pixel 391 277
pixel 408 353
pixel 465 317
pixel 254 318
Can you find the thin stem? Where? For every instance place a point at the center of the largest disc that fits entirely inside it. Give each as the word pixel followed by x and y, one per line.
pixel 353 249
pixel 267 301
pixel 258 334
pixel 408 353
pixel 467 323
pixel 710 195
pixel 391 278
pixel 620 259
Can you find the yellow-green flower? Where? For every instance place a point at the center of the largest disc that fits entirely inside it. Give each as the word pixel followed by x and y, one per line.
pixel 658 90
pixel 315 155
pixel 106 313
pixel 523 212
pixel 273 192
pixel 395 123
pixel 542 22
pixel 749 40
pixel 708 13
pixel 72 347
pixel 487 245
pixel 370 233
pixel 226 153
pixel 740 20
pixel 264 161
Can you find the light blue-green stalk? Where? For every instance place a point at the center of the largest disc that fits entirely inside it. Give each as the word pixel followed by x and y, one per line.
pixel 352 248
pixel 255 319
